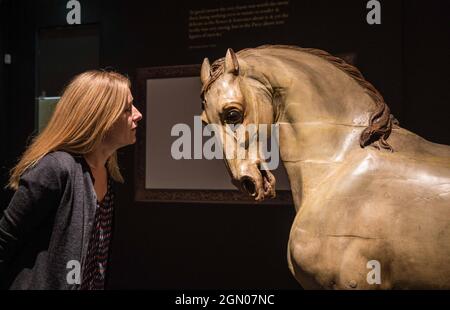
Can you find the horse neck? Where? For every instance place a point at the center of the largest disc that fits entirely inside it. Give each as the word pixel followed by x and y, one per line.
pixel 322 113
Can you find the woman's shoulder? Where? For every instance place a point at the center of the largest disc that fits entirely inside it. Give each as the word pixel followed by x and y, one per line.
pixel 63 158
pixel 50 171
pixel 60 162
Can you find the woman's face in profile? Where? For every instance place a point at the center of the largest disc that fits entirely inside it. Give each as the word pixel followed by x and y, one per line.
pixel 123 132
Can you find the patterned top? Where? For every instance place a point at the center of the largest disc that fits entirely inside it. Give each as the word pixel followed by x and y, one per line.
pixel 96 262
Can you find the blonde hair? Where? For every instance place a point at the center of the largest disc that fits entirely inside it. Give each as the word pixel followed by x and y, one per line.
pixel 91 103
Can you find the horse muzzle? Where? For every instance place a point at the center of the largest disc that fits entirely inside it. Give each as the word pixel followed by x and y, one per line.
pixel 257 183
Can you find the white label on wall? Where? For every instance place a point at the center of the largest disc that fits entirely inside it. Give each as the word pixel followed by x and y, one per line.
pixel 7 59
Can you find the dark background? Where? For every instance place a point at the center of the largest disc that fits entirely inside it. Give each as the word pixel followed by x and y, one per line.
pixel 173 245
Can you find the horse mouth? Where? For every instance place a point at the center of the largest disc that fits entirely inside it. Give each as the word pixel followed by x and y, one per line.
pixel 261 190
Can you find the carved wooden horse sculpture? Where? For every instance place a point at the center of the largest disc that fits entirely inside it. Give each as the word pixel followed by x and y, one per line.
pixel 364 188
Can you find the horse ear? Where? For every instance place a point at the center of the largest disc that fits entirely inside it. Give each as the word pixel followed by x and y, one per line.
pixel 231 62
pixel 204 117
pixel 205 72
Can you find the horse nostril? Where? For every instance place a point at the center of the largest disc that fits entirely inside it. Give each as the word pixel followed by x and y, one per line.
pixel 249 186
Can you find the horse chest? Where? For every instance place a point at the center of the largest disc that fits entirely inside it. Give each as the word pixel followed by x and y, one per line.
pixel 333 260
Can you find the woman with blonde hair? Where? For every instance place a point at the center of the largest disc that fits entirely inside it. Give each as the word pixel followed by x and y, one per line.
pixel 56 231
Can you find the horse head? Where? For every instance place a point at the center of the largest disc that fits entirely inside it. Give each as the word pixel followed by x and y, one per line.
pixel 235 99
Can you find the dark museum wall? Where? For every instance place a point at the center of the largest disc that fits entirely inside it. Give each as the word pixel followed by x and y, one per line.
pixel 174 245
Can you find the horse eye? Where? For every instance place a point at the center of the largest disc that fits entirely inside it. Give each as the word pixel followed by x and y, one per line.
pixel 233 116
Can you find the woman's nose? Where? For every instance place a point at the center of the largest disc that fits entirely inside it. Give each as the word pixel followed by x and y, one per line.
pixel 137 116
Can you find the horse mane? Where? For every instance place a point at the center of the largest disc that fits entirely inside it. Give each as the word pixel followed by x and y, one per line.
pixel 380 121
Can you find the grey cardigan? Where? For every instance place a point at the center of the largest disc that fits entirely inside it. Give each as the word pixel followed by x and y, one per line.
pixel 47 225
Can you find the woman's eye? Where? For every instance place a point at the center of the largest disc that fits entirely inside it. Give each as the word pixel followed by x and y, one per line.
pixel 233 116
